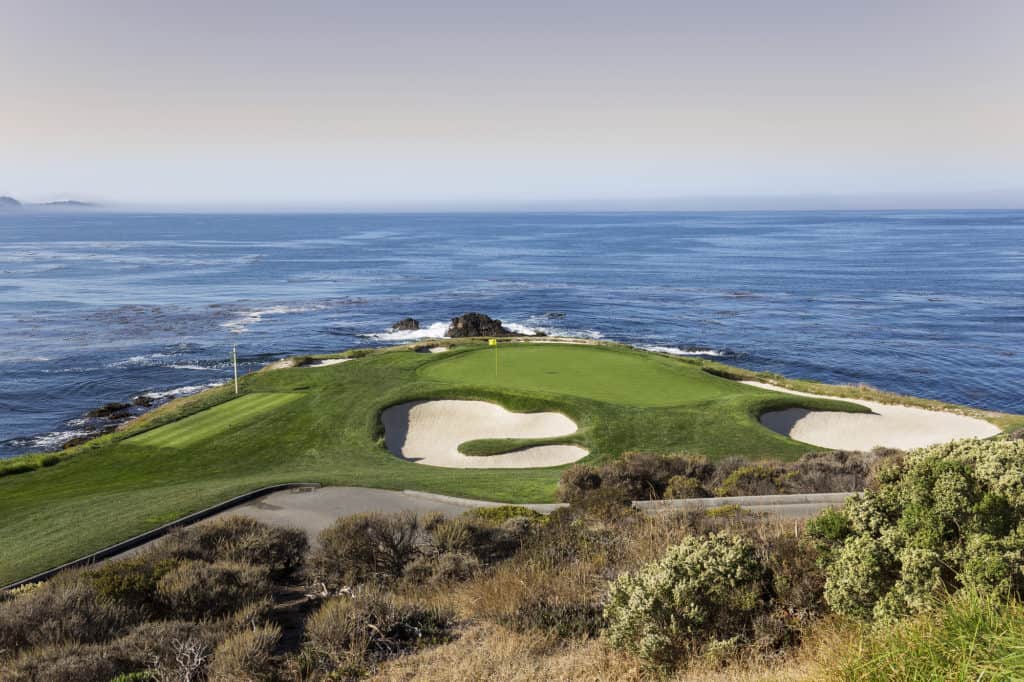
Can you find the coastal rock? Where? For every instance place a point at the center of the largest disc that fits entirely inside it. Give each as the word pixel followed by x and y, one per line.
pixel 476 324
pixel 110 411
pixel 407 324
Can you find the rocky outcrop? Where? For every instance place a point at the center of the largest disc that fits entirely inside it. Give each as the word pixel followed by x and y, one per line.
pixel 407 324
pixel 110 411
pixel 476 324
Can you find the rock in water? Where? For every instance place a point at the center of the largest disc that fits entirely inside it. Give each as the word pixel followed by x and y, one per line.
pixel 476 324
pixel 406 325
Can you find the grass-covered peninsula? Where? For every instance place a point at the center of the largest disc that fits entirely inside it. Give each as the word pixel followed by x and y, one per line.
pixel 323 424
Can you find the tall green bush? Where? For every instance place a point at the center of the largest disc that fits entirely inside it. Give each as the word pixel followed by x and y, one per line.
pixel 705 590
pixel 943 518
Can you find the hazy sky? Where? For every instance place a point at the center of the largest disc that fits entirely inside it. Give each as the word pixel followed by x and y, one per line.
pixel 398 103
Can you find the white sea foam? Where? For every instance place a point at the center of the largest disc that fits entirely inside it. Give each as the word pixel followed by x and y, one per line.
pixel 434 331
pixel 195 367
pixel 672 350
pixel 141 360
pixel 49 441
pixel 180 391
pixel 246 319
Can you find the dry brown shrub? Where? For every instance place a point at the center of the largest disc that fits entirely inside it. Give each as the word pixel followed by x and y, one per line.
pixel 245 656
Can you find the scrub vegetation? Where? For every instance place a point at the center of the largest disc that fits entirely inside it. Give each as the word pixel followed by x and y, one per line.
pixel 596 590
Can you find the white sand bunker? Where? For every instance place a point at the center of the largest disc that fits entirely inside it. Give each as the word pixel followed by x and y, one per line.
pixel 430 431
pixel 328 362
pixel 892 426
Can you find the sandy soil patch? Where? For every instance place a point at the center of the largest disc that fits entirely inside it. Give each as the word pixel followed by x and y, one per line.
pixel 328 362
pixel 430 431
pixel 893 426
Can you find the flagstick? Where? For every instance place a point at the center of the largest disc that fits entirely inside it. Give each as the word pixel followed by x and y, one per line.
pixel 234 362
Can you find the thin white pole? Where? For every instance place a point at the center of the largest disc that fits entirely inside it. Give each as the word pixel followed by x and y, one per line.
pixel 234 361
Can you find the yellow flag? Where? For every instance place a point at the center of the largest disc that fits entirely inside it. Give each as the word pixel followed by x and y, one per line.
pixel 492 342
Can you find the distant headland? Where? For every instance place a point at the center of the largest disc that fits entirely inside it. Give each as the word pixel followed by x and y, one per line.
pixel 12 203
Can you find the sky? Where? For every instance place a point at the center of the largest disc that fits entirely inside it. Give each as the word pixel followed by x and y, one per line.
pixel 734 103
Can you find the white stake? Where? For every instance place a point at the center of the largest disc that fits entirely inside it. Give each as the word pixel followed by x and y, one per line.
pixel 234 361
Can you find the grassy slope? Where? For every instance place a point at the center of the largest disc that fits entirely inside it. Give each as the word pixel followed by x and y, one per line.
pixel 328 431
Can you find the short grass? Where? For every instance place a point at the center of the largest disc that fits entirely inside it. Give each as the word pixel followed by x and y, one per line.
pixel 230 416
pixel 322 424
pixel 593 372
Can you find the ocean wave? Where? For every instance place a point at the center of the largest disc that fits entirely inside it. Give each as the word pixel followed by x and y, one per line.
pixel 688 351
pixel 436 330
pixel 48 441
pixel 244 320
pixel 180 391
pixel 140 361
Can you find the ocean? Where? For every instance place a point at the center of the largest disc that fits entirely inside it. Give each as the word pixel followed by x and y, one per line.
pixel 117 307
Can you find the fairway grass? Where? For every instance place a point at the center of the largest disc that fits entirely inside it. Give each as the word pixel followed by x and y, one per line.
pixel 233 414
pixel 324 426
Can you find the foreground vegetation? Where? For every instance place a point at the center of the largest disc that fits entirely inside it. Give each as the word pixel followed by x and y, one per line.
pixel 595 591
pixel 322 424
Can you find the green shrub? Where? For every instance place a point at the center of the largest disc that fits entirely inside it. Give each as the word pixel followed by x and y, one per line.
pixel 684 488
pixel 245 656
pixel 943 518
pixel 131 581
pixel 504 513
pixel 349 634
pixel 757 479
pixel 196 590
pixel 365 547
pixel 704 590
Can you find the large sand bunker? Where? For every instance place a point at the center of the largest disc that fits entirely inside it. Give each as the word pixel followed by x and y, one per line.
pixel 430 432
pixel 893 426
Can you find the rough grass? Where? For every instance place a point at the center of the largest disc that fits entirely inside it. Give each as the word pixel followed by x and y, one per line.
pixel 971 636
pixel 328 431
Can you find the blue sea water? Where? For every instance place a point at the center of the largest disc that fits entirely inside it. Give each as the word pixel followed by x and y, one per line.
pixel 96 307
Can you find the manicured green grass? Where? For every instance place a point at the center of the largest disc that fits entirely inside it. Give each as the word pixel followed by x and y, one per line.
pixel 593 372
pixel 322 424
pixel 229 416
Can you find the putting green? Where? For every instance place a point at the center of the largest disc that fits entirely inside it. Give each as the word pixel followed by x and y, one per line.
pixel 215 420
pixel 611 376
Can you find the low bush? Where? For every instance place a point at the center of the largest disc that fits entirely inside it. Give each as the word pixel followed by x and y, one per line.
pixel 363 548
pixel 245 656
pixel 239 539
pixel 196 590
pixel 566 619
pixel 757 479
pixel 634 476
pixel 504 513
pixel 942 518
pixel 704 591
pixel 168 649
pixel 68 662
pixel 65 609
pixel 350 634
pixel 442 568
pixel 132 581
pixel 684 488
